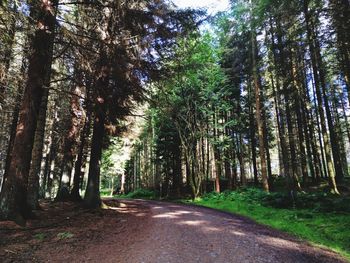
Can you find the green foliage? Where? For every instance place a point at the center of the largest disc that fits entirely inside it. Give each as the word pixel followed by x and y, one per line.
pixel 142 194
pixel 65 235
pixel 112 163
pixel 321 218
pixel 105 192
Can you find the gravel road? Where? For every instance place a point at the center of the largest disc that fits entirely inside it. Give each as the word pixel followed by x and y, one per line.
pixel 165 232
pixel 137 231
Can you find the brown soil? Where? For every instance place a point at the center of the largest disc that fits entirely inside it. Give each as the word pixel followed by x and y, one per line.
pixel 148 231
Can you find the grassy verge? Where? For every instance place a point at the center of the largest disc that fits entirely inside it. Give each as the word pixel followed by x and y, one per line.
pixel 320 218
pixel 138 194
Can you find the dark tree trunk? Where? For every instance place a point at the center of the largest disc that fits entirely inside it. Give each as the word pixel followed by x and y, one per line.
pixel 78 174
pixel 92 195
pixel 13 203
pixel 34 173
pixel 70 142
pixel 12 134
pixel 253 144
pixel 267 150
pixel 240 154
pixel 177 171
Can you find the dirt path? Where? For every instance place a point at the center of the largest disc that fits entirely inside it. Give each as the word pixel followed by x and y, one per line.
pixel 147 231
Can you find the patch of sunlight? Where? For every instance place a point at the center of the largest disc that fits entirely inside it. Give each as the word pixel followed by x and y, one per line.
pixel 111 208
pixel 141 214
pixel 172 214
pixel 278 242
pixel 192 222
pixel 20 129
pixel 183 212
pixel 211 229
pixel 104 206
pixel 166 215
pixel 237 233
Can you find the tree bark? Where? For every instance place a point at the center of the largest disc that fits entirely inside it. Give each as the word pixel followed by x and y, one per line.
pixel 92 195
pixel 37 153
pixel 78 174
pixel 13 203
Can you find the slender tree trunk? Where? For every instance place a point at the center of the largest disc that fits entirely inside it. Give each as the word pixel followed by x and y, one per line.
pixel 241 160
pixel 253 143
pixel 333 138
pixel 258 109
pixel 78 173
pixel 280 115
pixel 300 128
pixel 339 135
pixel 347 122
pixel 216 152
pixel 318 132
pixel 321 95
pixel 267 150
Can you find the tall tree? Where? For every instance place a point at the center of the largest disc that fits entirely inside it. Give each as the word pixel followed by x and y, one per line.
pixel 13 203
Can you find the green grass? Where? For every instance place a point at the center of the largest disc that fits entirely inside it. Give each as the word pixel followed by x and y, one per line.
pixel 105 192
pixel 320 218
pixel 140 194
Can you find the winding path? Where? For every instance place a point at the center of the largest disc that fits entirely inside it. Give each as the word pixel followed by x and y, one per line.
pixel 165 232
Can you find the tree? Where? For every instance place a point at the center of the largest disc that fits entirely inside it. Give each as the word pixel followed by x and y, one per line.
pixel 13 203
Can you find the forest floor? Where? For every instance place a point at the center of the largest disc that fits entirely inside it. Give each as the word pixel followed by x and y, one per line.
pixel 149 231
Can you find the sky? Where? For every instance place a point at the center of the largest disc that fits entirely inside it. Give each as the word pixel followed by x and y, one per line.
pixel 212 6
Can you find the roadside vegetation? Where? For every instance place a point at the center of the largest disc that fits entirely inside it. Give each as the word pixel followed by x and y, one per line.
pixel 321 218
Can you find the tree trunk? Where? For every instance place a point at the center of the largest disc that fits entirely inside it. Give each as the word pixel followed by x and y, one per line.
pixel 321 95
pixel 258 109
pixel 70 142
pixel 92 196
pixel 78 174
pixel 340 12
pixel 300 128
pixel 13 203
pixel 252 134
pixel 34 173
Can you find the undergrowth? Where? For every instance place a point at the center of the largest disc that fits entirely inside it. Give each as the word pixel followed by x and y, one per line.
pixel 140 194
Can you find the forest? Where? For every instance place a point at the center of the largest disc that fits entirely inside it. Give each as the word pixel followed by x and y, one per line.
pixel 143 99
pixel 261 98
